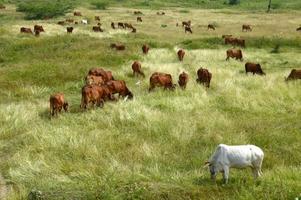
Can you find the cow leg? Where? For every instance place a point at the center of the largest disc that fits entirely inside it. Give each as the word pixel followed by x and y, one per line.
pixel 227 58
pixel 226 174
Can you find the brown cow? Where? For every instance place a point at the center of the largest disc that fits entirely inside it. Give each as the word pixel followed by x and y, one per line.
pixel 76 13
pixel 97 18
pixel 94 80
pixel 211 26
pixel 139 19
pixel 93 94
pixel 188 29
pixel 295 74
pixel 246 27
pixel 204 77
pixel 254 68
pixel 159 79
pixel 121 25
pixel 183 80
pixel 57 103
pixel 145 49
pixel 234 53
pixel 69 29
pixel 298 29
pixel 106 75
pixel 39 28
pixel 113 25
pixel 181 54
pixel 136 66
pixel 119 87
pixel 188 23
pixel 25 30
pixel 97 29
pixel 61 23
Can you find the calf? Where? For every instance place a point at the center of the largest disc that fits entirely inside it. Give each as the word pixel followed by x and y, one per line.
pixel 25 30
pixel 97 18
pixel 295 74
pixel 204 77
pixel 93 94
pixel 120 88
pixel 159 79
pixel 94 80
pixel 188 29
pixel 76 13
pixel 113 25
pixel 234 53
pixel 136 67
pixel 183 80
pixel 246 27
pixel 241 156
pixel 57 103
pixel 211 26
pixel 254 68
pixel 69 29
pixel 181 54
pixel 106 75
pixel 38 28
pixel 139 19
pixel 97 29
pixel 145 49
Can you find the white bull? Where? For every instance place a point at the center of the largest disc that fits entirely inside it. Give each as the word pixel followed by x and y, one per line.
pixel 241 156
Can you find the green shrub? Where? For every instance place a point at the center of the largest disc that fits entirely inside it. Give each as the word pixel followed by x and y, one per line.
pixel 100 5
pixel 35 9
pixel 234 2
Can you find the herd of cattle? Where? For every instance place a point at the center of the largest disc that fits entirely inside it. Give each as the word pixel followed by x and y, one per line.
pixel 100 86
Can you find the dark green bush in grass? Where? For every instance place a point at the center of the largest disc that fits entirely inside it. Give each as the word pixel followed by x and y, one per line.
pixel 38 9
pixel 234 2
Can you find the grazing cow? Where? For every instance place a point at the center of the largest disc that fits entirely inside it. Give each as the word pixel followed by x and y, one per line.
pixel 254 68
pixel 159 79
pixel 183 80
pixel 145 49
pixel 181 54
pixel 61 23
pixel 139 19
pixel 70 20
pixel 97 29
pixel 234 53
pixel 188 29
pixel 136 66
pixel 119 87
pixel 76 13
pixel 38 28
pixel 94 94
pixel 298 29
pixel 113 25
pixel 240 156
pixel 188 23
pixel 25 30
pixel 94 80
pixel 69 29
pixel 84 21
pixel 97 18
pixel 204 77
pixel 211 26
pixel 121 25
pixel 106 75
pixel 295 74
pixel 138 13
pixel 57 103
pixel 246 27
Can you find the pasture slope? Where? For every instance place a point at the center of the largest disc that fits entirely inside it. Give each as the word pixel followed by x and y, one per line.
pixel 154 146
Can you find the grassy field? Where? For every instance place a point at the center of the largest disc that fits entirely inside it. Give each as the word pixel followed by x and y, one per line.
pixel 154 146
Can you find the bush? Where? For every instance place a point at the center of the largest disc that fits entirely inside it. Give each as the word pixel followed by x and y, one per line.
pixel 234 2
pixel 100 5
pixel 36 9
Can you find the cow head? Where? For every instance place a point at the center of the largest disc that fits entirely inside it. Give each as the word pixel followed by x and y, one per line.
pixel 212 169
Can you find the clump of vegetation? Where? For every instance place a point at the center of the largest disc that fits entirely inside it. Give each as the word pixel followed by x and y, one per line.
pixel 35 9
pixel 100 4
pixel 234 2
